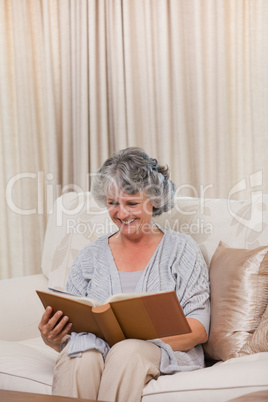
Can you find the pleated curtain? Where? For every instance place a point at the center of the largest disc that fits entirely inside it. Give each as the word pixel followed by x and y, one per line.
pixel 186 80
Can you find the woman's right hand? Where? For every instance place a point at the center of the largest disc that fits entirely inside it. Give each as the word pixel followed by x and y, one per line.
pixel 54 329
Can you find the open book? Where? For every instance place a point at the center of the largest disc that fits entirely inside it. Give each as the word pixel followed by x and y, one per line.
pixel 137 315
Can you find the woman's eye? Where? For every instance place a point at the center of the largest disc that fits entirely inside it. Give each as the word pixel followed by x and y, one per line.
pixel 116 203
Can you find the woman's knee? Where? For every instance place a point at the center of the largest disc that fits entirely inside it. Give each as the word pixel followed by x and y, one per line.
pixel 90 360
pixel 128 346
pixel 78 376
pixel 134 348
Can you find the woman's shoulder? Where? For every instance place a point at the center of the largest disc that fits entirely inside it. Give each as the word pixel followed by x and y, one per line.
pixel 181 240
pixel 173 234
pixel 96 246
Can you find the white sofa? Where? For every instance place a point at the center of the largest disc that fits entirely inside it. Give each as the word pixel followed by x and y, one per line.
pixel 26 364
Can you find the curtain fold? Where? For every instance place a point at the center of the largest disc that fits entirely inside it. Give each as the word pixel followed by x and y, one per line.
pixel 185 80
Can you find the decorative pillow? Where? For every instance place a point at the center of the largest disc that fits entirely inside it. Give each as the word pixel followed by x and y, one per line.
pixel 258 341
pixel 239 297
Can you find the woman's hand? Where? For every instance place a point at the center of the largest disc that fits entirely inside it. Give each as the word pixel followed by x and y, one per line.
pixel 188 341
pixel 54 330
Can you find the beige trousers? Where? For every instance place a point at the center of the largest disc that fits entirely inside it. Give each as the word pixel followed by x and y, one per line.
pixel 129 365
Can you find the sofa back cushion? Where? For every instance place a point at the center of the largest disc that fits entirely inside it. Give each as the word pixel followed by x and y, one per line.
pixel 77 220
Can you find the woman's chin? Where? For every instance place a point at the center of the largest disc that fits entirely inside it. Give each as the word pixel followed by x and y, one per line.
pixel 130 230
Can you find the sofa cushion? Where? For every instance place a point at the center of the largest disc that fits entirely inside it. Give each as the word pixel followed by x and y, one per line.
pixel 27 366
pixel 259 396
pixel 239 297
pixel 242 224
pixel 23 310
pixel 221 382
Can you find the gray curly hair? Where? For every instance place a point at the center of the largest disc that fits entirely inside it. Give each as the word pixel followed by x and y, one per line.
pixel 132 171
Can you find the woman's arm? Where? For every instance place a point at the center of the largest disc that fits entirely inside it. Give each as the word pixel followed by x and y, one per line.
pixel 188 341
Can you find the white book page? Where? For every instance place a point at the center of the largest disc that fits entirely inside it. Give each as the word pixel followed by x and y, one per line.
pixel 122 296
pixel 94 302
pixel 84 299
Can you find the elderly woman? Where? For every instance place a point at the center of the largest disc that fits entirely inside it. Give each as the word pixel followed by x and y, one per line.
pixel 141 257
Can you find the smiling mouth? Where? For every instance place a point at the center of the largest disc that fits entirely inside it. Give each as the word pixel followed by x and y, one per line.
pixel 127 222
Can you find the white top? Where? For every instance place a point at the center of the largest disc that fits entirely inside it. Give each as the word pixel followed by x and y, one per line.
pixel 129 280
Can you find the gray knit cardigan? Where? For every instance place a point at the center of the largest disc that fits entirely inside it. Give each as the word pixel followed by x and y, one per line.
pixel 176 264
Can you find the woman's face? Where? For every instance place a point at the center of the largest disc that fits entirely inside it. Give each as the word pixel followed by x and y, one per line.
pixel 132 214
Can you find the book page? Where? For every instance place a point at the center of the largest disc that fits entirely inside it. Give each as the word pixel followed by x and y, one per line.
pixel 131 295
pixel 84 299
pixel 94 302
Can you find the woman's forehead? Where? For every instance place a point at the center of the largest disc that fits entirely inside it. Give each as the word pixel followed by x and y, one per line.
pixel 124 196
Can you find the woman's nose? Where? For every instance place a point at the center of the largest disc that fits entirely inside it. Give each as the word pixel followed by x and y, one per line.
pixel 122 212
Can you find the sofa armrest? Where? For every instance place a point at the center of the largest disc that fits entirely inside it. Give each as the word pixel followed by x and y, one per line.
pixel 21 309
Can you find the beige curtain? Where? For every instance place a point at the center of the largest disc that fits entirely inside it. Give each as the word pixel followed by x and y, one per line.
pixel 184 79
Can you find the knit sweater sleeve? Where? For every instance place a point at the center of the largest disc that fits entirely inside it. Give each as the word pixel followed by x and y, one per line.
pixel 191 273
pixel 81 272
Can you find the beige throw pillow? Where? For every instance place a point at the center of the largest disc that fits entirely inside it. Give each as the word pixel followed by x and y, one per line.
pixel 239 297
pixel 258 341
